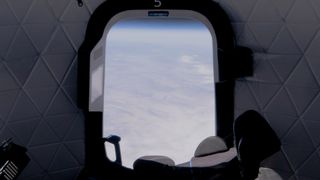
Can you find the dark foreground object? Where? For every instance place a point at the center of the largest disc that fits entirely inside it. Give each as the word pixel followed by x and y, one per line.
pixel 13 159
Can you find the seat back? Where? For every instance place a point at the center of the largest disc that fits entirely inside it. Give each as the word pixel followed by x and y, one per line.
pixel 255 140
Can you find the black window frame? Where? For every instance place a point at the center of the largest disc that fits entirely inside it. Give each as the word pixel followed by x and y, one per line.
pixel 233 62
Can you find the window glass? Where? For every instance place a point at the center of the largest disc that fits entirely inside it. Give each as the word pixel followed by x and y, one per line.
pixel 159 92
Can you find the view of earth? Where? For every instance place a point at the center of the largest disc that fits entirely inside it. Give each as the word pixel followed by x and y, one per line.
pixel 159 88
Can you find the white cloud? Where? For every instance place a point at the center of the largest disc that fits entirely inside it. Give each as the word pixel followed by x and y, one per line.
pixel 197 66
pixel 187 59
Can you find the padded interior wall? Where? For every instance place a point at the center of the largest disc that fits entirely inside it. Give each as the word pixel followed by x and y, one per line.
pixel 39 40
pixel 285 38
pixel 38 47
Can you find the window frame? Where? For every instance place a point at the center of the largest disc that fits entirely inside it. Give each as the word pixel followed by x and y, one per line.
pixel 94 144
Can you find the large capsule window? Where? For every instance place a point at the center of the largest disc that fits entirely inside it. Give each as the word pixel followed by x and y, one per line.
pixel 159 87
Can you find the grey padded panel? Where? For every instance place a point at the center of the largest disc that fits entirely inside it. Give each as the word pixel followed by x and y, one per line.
pixel 39 40
pixel 210 145
pixel 284 34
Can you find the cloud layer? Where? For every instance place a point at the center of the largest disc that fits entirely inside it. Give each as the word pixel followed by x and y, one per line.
pixel 159 92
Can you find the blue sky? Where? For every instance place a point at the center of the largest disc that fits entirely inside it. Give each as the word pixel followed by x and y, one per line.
pixel 159 92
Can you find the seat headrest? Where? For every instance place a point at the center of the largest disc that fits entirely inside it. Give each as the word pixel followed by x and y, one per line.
pixel 254 139
pixel 210 145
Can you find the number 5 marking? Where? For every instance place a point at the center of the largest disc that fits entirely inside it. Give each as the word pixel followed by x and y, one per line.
pixel 157 3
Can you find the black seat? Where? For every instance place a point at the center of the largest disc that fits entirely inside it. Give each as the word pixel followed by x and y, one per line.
pixel 255 140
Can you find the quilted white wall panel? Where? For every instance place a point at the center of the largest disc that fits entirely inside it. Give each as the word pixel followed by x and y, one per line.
pixel 38 71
